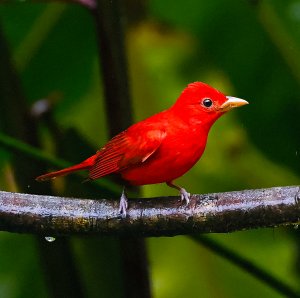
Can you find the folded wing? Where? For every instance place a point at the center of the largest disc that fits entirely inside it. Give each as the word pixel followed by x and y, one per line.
pixel 127 149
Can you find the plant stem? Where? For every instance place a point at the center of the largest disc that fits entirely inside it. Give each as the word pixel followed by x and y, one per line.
pixel 245 264
pixel 110 33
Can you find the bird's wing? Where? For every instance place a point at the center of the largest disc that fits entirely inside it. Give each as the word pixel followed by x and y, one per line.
pixel 129 148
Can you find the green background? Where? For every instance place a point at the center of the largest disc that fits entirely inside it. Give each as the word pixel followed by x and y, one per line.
pixel 246 49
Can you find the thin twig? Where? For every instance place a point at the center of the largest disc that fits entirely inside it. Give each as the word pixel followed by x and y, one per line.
pixel 14 145
pixel 63 280
pixel 247 265
pixel 166 216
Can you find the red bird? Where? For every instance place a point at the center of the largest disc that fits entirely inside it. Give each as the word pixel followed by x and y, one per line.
pixel 162 147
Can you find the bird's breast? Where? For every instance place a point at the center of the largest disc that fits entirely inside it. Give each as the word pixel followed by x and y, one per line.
pixel 179 151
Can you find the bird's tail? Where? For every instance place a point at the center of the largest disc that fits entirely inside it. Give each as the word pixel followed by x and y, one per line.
pixel 85 165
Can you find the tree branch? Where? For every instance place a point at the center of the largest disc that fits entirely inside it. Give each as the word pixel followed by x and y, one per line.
pixel 166 216
pixel 110 26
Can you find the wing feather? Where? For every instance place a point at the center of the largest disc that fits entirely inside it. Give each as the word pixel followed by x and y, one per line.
pixel 127 149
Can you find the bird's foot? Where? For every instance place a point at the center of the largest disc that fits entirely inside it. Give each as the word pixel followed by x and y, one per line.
pixel 185 196
pixel 123 204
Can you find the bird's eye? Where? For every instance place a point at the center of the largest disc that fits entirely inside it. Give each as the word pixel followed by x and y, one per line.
pixel 207 102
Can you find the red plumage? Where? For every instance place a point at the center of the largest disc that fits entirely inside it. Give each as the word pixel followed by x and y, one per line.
pixel 164 146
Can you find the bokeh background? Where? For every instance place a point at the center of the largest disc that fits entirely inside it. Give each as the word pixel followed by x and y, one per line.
pixel 247 49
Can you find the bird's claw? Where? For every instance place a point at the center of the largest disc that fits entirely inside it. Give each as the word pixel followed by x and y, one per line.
pixel 123 206
pixel 185 196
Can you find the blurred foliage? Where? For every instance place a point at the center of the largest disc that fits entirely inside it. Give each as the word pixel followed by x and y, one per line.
pixel 248 49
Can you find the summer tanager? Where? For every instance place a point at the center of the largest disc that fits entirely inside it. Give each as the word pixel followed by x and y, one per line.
pixel 162 147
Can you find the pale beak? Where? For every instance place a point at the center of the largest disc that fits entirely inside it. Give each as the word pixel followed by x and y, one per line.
pixel 232 102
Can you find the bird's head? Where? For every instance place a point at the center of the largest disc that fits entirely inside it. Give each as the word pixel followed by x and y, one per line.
pixel 201 102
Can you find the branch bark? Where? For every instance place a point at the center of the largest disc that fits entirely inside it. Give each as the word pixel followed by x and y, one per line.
pixel 165 216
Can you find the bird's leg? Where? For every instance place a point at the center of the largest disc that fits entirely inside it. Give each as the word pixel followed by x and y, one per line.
pixel 185 196
pixel 123 203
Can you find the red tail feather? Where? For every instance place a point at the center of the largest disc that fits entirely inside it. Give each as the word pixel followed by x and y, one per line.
pixel 86 164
